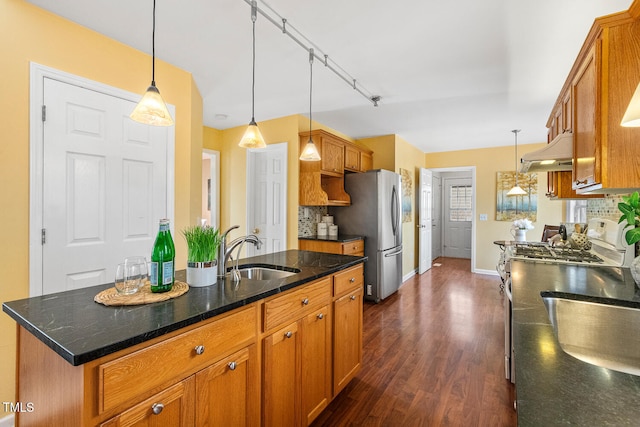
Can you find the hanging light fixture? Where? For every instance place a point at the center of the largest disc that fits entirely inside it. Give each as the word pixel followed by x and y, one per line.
pixel 631 117
pixel 252 137
pixel 151 109
pixel 310 152
pixel 516 190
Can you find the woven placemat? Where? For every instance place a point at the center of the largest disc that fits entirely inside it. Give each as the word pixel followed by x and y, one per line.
pixel 143 296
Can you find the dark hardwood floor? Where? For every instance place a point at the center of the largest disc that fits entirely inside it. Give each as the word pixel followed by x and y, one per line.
pixel 433 356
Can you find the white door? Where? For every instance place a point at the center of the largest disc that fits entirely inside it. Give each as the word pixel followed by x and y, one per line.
pixel 104 185
pixel 267 198
pixel 425 205
pixel 458 213
pixel 436 222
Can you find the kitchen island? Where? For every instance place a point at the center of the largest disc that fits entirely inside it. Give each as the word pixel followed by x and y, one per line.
pixel 552 387
pixel 81 363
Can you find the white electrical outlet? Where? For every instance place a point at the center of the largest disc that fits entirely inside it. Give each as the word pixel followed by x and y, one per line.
pixel 483 217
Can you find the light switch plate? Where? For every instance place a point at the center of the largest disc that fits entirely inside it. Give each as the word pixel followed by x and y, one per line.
pixel 483 217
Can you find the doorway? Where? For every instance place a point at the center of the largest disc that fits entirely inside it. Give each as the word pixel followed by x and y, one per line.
pixel 439 230
pixel 267 198
pixel 211 188
pixel 99 182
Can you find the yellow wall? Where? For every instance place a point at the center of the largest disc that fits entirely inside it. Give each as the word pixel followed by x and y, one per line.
pixel 489 161
pixel 32 34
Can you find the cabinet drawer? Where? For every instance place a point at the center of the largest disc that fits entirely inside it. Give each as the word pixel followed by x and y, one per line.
pixel 126 379
pixel 295 304
pixel 355 247
pixel 347 280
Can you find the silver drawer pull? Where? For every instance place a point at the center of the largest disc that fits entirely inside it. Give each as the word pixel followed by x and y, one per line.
pixel 305 301
pixel 288 334
pixel 320 316
pixel 353 279
pixel 232 366
pixel 199 349
pixel 352 297
pixel 157 408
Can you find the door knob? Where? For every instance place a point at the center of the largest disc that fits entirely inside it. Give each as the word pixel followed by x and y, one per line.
pixel 256 231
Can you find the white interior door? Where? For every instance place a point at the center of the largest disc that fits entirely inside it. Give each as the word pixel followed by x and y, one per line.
pixel 458 214
pixel 104 185
pixel 267 198
pixel 425 206
pixel 436 221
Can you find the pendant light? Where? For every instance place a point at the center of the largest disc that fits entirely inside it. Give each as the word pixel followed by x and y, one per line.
pixel 151 109
pixel 631 117
pixel 516 190
pixel 252 137
pixel 310 152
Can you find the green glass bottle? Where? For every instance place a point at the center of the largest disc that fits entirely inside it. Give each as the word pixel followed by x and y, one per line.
pixel 162 260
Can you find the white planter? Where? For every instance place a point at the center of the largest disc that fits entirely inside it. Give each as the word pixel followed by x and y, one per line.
pixel 201 274
pixel 635 270
pixel 519 234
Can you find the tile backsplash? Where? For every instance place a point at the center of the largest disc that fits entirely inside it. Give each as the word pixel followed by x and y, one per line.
pixel 308 217
pixel 607 207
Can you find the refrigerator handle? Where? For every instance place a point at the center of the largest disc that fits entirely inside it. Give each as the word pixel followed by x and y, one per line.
pixel 398 252
pixel 395 214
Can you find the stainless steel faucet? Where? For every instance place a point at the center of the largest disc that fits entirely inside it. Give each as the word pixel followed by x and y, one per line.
pixel 225 250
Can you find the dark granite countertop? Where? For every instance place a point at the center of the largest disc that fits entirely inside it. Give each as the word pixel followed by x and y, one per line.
pixel 81 330
pixel 339 238
pixel 552 387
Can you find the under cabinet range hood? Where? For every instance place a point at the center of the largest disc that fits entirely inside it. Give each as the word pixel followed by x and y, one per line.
pixel 556 156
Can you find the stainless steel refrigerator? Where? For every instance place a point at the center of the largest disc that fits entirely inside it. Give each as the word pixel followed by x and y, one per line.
pixel 375 214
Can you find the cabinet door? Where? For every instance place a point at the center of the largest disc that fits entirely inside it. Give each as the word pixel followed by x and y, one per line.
pixel 366 161
pixel 586 131
pixel 332 156
pixel 173 406
pixel 347 338
pixel 280 386
pixel 228 391
pixel 351 158
pixel 316 364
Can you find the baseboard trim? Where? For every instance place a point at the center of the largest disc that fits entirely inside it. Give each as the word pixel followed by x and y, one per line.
pixel 406 277
pixel 488 272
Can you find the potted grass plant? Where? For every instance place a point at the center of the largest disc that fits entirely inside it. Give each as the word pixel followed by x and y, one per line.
pixel 202 251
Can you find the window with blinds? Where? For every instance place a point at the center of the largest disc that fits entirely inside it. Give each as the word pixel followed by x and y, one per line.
pixel 460 203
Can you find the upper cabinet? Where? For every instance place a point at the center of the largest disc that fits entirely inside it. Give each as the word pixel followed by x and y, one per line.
pixel 322 183
pixel 592 103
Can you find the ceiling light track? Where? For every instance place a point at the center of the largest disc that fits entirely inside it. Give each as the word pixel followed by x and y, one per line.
pixel 283 25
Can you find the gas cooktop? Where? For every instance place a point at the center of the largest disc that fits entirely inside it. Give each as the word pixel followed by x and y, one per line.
pixel 543 251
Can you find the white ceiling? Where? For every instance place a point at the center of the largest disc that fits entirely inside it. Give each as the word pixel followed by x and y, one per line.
pixel 452 75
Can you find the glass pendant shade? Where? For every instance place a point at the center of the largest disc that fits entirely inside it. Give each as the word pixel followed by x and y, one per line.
pixel 252 137
pixel 151 109
pixel 516 191
pixel 310 152
pixel 631 117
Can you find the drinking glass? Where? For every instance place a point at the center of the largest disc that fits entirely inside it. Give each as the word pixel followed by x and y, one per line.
pixel 127 278
pixel 144 270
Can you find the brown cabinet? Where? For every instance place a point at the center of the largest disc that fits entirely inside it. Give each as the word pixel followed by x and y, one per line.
pixel 332 156
pixel 322 183
pixel 347 332
pixel 273 362
pixel 173 406
pixel 351 158
pixel 166 381
pixel 354 247
pixel 559 186
pixel 297 356
pixel 592 103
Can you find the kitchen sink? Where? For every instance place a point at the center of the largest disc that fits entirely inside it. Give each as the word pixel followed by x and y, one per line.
pixel 600 334
pixel 266 273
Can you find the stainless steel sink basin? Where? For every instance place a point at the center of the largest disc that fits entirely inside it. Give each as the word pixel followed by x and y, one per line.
pixel 601 334
pixel 265 273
